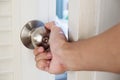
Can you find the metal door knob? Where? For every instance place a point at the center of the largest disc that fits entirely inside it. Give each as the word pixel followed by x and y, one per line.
pixel 34 34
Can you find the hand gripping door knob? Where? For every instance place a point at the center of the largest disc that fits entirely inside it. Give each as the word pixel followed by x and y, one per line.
pixel 34 34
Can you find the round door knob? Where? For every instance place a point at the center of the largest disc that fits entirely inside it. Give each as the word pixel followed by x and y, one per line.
pixel 34 34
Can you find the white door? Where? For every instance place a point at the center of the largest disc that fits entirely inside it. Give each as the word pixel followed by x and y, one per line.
pixel 16 61
pixel 88 18
pixel 31 10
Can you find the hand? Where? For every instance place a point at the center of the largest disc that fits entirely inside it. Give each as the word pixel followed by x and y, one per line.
pixel 51 61
pixel 99 53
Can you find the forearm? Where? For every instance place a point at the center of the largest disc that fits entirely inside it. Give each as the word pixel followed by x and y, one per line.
pixel 99 53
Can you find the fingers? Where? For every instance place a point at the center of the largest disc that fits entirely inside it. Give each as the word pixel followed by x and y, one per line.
pixel 46 56
pixel 38 50
pixel 43 64
pixel 43 61
pixel 42 58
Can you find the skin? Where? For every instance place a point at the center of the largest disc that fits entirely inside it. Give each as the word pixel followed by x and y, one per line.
pixel 98 53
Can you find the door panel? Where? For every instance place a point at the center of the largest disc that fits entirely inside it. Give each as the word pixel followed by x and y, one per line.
pixel 106 76
pixel 88 18
pixel 31 10
pixel 16 61
pixel 5 19
pixel 82 16
pixel 6 41
pixel 109 15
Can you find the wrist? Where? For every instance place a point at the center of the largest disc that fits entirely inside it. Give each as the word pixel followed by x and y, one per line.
pixel 71 55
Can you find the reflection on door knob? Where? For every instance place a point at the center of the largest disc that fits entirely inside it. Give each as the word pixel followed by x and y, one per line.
pixel 34 34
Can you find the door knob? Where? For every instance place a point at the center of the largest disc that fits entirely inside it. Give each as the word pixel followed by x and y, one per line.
pixel 34 34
